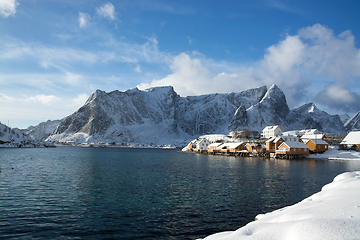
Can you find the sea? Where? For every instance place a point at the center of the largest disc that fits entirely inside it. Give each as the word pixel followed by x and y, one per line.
pixel 138 193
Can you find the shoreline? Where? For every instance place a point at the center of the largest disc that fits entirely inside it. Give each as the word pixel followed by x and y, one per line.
pixel 332 213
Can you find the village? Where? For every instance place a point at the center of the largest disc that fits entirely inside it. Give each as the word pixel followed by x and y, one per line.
pixel 274 143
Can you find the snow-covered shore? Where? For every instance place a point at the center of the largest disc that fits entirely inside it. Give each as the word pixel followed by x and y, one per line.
pixel 334 154
pixel 332 213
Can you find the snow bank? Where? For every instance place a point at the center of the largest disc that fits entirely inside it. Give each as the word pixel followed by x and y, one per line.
pixel 332 213
pixel 334 154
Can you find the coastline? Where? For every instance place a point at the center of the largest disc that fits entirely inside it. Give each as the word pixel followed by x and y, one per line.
pixel 332 213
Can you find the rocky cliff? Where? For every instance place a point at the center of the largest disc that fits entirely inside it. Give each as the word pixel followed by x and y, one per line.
pixel 160 116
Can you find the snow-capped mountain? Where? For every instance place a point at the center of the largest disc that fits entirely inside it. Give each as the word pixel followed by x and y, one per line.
pixel 42 130
pixel 160 116
pixel 353 123
pixel 309 116
pixel 272 109
pixel 344 118
pixel 12 137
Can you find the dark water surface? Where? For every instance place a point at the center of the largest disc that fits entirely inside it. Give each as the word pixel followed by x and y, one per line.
pixel 122 193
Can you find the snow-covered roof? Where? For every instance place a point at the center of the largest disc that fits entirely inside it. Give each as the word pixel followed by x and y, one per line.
pixel 352 138
pixel 270 128
pixel 271 139
pixel 215 145
pixel 291 133
pixel 278 139
pixel 312 136
pixel 231 145
pixel 295 144
pixel 317 141
pixel 289 137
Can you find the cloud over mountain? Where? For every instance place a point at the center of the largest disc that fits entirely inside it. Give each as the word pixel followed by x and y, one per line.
pixel 314 58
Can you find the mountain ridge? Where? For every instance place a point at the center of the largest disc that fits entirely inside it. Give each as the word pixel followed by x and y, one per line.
pixel 159 115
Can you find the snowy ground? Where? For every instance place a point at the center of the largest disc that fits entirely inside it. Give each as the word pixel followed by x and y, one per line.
pixel 334 154
pixel 332 213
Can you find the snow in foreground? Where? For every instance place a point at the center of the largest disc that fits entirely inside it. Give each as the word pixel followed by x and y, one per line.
pixel 332 213
pixel 334 154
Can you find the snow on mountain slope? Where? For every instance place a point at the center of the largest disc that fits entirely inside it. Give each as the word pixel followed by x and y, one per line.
pixel 42 130
pixel 353 123
pixel 271 110
pixel 344 118
pixel 309 116
pixel 160 116
pixel 10 137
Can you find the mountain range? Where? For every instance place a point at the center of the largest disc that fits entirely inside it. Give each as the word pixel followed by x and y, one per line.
pixel 160 116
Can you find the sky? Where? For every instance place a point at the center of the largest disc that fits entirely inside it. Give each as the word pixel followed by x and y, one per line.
pixel 54 54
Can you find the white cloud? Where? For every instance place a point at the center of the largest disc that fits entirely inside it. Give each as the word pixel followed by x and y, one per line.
pixel 138 69
pixel 107 11
pixel 84 19
pixel 297 64
pixel 339 96
pixel 79 100
pixel 43 99
pixel 190 41
pixel 6 98
pixel 188 76
pixel 73 79
pixel 334 56
pixel 66 57
pixel 8 7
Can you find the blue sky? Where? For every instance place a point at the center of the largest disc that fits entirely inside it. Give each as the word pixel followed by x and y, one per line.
pixel 54 54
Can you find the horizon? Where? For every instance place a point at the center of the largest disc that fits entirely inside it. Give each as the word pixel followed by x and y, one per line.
pixel 53 55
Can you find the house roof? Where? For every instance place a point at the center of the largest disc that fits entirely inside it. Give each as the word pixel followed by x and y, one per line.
pixel 278 139
pixel 231 145
pixel 317 141
pixel 215 144
pixel 270 128
pixel 352 138
pixel 289 137
pixel 312 136
pixel 270 139
pixel 295 144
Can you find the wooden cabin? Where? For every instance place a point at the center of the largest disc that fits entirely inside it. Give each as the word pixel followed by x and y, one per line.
pixel 248 147
pixel 273 143
pixel 317 145
pixel 214 148
pixel 231 147
pixel 257 147
pixel 293 148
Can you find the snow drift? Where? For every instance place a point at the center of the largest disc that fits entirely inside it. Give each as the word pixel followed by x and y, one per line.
pixel 332 213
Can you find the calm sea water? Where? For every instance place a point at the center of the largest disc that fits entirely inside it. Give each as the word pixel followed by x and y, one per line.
pixel 120 193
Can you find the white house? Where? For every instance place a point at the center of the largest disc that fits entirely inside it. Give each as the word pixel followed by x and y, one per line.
pixel 271 131
pixel 290 138
pixel 200 144
pixel 352 139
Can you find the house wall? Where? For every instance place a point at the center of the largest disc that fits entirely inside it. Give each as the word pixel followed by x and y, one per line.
pixel 248 147
pixel 293 151
pixel 316 147
pixel 270 146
